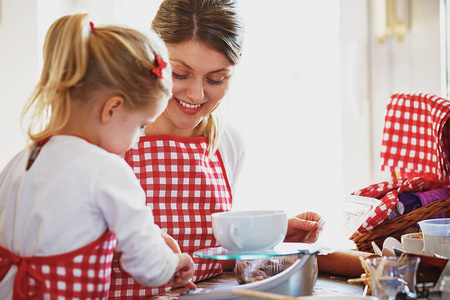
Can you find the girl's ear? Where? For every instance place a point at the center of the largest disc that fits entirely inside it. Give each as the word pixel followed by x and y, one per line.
pixel 110 108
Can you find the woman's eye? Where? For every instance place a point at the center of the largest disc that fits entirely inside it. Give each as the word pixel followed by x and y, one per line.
pixel 214 82
pixel 179 77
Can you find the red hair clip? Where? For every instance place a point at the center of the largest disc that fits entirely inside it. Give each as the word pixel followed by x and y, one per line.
pixel 91 25
pixel 160 65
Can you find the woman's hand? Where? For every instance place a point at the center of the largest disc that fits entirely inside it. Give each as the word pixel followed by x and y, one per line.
pixel 304 228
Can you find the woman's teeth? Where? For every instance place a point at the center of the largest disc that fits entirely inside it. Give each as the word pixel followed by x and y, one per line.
pixel 188 105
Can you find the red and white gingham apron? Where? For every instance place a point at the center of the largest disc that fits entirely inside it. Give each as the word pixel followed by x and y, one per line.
pixel 414 139
pixel 184 187
pixel 80 274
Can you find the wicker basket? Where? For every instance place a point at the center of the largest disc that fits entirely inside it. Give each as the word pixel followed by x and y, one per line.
pixel 397 226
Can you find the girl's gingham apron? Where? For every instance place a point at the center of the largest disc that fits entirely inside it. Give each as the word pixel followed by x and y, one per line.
pixel 184 187
pixel 80 274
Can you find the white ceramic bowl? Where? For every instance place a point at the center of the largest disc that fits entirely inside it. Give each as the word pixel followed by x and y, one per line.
pixel 249 230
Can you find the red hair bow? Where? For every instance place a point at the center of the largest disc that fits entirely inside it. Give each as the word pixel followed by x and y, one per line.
pixel 160 65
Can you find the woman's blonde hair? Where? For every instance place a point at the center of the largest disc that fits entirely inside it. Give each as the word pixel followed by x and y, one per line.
pixel 217 24
pixel 81 60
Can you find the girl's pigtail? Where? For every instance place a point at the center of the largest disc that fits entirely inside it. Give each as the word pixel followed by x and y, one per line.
pixel 65 63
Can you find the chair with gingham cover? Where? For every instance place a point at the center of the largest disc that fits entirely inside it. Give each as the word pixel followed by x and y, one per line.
pixel 414 150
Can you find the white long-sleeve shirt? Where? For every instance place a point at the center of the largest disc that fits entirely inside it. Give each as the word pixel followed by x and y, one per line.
pixel 72 193
pixel 231 147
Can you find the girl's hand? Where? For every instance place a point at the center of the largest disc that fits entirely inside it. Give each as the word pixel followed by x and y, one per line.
pixel 183 274
pixel 304 228
pixel 185 269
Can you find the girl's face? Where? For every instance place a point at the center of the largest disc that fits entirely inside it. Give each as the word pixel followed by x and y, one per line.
pixel 127 125
pixel 200 81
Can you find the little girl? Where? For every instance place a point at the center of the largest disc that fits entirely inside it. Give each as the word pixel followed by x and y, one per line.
pixel 66 198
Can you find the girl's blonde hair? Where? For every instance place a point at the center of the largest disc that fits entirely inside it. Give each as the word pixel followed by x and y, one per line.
pixel 216 23
pixel 81 60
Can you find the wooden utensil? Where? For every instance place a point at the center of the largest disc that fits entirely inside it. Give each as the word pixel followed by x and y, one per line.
pixel 344 262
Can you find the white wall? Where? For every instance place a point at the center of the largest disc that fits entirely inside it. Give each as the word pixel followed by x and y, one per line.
pixel 355 92
pixel 285 100
pixel 18 70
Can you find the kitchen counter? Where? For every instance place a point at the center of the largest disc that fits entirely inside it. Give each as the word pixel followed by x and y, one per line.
pixel 326 285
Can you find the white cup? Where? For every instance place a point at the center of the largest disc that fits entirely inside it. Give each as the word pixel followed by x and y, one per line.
pixel 250 230
pixel 412 242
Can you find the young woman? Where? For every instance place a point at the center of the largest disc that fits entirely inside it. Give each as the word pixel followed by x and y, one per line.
pixel 188 160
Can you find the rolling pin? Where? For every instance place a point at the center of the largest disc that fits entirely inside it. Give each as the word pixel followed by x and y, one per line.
pixel 343 262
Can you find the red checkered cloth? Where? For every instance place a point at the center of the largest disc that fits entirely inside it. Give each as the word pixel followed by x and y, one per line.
pixel 80 274
pixel 414 142
pixel 184 186
pixel 388 193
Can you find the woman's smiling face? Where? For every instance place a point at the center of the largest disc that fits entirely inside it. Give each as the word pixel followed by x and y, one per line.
pixel 200 81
